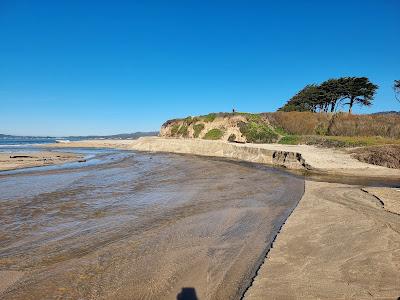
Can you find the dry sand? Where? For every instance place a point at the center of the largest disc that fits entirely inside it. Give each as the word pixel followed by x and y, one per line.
pixel 18 160
pixel 339 243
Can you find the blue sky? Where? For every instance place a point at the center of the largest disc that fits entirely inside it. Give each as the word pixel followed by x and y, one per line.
pixel 104 67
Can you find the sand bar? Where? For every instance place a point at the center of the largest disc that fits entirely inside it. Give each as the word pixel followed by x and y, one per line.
pixel 19 160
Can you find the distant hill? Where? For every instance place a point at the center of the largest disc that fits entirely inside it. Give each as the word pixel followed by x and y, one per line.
pixel 22 137
pixel 131 136
pixel 122 136
pixel 392 112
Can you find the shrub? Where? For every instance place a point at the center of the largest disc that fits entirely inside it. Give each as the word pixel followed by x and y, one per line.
pixel 209 118
pixel 299 123
pixel 213 134
pixel 232 138
pixel 281 131
pixel 322 128
pixel 256 118
pixel 387 156
pixel 188 120
pixel 183 131
pixel 257 133
pixel 387 125
pixel 197 129
pixel 174 129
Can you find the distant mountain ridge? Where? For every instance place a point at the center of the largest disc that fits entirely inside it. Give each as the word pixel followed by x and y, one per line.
pixel 392 112
pixel 133 135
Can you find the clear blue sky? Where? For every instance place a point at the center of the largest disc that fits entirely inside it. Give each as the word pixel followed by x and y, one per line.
pixel 94 67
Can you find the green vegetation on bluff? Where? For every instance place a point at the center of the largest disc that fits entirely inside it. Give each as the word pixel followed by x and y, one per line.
pixel 214 134
pixel 257 130
pixel 323 129
pixel 197 129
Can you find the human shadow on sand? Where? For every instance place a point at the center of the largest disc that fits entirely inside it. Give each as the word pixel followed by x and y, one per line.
pixel 187 293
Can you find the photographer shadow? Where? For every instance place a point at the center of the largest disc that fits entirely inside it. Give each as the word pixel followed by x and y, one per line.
pixel 187 293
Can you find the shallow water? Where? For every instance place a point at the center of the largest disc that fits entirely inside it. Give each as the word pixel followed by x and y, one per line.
pixel 141 226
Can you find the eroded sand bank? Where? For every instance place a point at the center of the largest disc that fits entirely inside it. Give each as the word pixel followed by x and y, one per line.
pixel 19 160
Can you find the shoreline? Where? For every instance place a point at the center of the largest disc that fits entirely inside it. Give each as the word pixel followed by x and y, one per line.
pixel 10 161
pixel 324 161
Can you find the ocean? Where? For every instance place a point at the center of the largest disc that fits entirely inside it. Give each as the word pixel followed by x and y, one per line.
pixel 17 144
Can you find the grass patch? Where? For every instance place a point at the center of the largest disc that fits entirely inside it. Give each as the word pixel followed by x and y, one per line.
pixel 197 129
pixel 290 140
pixel 348 141
pixel 281 131
pixel 213 134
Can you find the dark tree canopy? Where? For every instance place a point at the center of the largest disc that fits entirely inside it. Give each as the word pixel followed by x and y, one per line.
pixel 358 90
pixel 396 88
pixel 331 93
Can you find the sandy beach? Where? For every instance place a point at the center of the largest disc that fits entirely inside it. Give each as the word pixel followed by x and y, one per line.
pixel 19 160
pixel 341 242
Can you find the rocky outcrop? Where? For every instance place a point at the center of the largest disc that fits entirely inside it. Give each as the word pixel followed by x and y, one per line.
pixel 290 160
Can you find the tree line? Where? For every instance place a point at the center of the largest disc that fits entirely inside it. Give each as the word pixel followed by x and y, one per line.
pixel 334 93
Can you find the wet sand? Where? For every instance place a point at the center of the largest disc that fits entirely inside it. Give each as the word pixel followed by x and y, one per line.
pixel 141 227
pixel 19 160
